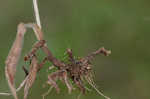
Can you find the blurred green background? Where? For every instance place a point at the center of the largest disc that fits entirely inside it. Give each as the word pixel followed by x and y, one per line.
pixel 85 25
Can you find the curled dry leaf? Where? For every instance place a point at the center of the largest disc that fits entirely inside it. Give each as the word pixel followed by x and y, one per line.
pixel 13 58
pixel 32 76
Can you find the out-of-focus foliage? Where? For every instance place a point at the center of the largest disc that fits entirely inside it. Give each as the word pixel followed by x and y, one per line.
pixel 85 25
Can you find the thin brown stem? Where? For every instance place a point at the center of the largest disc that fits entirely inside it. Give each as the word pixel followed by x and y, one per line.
pixel 99 51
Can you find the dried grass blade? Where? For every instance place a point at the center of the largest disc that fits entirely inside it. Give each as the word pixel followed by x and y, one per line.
pixel 13 58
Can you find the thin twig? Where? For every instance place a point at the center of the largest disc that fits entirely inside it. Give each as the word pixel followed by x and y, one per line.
pixel 98 91
pixel 22 84
pixel 36 12
pixel 37 30
pixel 18 89
pixel 99 51
pixel 5 94
pixel 79 95
pixel 45 94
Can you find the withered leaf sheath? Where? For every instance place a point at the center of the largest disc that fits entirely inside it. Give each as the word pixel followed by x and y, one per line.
pixel 13 58
pixel 32 75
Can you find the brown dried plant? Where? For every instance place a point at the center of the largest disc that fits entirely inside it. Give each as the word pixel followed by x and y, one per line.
pixel 77 70
pixel 13 58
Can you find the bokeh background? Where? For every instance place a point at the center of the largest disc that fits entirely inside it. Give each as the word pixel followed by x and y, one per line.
pixel 85 25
